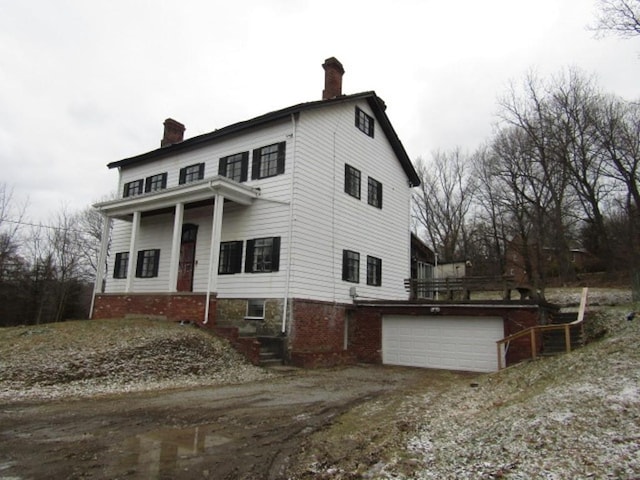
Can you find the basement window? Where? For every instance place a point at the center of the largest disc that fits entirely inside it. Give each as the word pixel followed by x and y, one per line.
pixel 255 309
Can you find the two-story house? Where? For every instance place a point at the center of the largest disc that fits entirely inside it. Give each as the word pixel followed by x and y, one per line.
pixel 272 225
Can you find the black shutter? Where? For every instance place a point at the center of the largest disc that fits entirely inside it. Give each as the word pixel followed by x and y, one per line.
pixel 357 117
pixel 248 264
pixel 245 167
pixel 222 167
pixel 237 257
pixel 164 180
pixel 139 263
pixel 379 195
pixel 147 185
pixel 255 166
pixel 345 265
pixel 156 262
pixel 282 147
pixel 201 171
pixel 183 175
pixel 116 272
pixel 275 254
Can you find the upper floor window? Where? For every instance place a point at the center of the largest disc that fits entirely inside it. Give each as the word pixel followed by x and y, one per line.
pixel 192 173
pixel 235 166
pixel 352 181
pixel 364 122
pixel 121 265
pixel 374 271
pixel 230 257
pixel 263 255
pixel 132 188
pixel 350 266
pixel 148 262
pixel 155 182
pixel 374 194
pixel 268 161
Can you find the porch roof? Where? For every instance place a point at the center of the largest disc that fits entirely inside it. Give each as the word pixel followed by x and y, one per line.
pixel 189 193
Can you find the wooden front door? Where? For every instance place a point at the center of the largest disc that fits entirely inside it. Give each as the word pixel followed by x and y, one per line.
pixel 187 258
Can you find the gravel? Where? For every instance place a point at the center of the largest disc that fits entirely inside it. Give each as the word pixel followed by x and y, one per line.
pixel 88 358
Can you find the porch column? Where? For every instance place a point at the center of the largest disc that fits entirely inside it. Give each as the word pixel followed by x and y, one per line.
pixel 214 252
pixel 175 247
pixel 131 268
pixel 102 257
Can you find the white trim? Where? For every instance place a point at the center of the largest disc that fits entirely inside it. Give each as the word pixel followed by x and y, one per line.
pixel 102 257
pixel 214 252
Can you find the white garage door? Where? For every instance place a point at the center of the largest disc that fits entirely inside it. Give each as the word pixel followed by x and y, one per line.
pixel 452 343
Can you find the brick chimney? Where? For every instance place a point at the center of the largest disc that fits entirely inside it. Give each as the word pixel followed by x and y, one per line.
pixel 333 72
pixel 173 132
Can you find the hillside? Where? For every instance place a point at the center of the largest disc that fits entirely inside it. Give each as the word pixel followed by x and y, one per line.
pixel 573 416
pixel 85 358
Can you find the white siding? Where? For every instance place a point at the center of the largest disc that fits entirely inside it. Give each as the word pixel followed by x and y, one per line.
pixel 328 221
pixel 325 219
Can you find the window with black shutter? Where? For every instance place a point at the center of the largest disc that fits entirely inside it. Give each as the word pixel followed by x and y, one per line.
pixel 148 262
pixel 192 173
pixel 155 182
pixel 350 266
pixel 268 161
pixel 374 271
pixel 374 194
pixel 352 181
pixel 121 265
pixel 230 257
pixel 235 167
pixel 263 255
pixel 133 188
pixel 364 122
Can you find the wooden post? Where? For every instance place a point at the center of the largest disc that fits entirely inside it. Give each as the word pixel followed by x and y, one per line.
pixel 499 356
pixel 533 344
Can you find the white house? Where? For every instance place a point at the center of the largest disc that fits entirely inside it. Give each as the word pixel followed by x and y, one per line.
pixel 272 225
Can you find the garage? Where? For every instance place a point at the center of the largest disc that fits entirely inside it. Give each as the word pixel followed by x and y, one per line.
pixel 444 342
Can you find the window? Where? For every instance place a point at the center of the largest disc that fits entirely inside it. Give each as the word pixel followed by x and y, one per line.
pixel 121 265
pixel 155 182
pixel 191 173
pixel 374 196
pixel 235 166
pixel 263 255
pixel 132 188
pixel 350 266
pixel 255 309
pixel 147 265
pixel 230 258
pixel 364 122
pixel 374 271
pixel 268 161
pixel 352 181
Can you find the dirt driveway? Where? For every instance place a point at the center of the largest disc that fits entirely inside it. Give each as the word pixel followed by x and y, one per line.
pixel 253 430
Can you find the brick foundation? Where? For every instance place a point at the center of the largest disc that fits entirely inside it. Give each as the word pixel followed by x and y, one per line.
pixel 316 334
pixel 172 306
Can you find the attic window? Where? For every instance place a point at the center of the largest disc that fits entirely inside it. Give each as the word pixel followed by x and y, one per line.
pixel 364 122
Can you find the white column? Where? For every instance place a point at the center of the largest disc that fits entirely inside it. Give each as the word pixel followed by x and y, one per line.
pixel 102 257
pixel 175 247
pixel 131 268
pixel 214 252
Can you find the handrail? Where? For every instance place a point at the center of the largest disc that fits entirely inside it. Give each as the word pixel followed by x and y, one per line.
pixel 532 332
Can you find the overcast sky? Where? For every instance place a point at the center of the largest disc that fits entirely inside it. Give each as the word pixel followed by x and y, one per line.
pixel 87 82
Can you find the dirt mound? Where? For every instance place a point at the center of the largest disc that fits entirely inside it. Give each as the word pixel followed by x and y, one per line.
pixel 88 357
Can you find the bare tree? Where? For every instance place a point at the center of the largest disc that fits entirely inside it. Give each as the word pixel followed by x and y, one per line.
pixel 441 206
pixel 618 17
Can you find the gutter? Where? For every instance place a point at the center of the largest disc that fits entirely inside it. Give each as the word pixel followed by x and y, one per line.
pixel 285 303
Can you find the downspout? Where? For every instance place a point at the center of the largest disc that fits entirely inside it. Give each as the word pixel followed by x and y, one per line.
pixel 285 303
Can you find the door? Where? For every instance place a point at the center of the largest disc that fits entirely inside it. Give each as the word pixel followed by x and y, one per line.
pixel 446 342
pixel 187 258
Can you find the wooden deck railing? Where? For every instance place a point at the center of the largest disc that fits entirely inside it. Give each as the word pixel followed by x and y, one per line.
pixel 532 333
pixel 446 287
